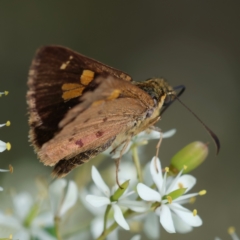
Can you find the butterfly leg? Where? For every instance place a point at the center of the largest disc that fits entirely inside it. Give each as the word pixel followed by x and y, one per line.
pixel 117 161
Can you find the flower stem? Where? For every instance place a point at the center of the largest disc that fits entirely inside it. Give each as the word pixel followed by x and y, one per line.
pixel 105 218
pixel 137 163
pixel 114 225
pixel 57 223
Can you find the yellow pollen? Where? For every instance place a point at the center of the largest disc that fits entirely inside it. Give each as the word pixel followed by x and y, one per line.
pixel 11 236
pixel 8 146
pixel 169 198
pixel 192 200
pixel 10 168
pixel 6 93
pixel 166 169
pixel 195 212
pixel 8 123
pixel 184 167
pixel 180 185
pixel 231 230
pixel 203 192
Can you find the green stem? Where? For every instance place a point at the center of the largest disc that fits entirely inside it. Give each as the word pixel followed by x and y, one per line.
pixel 57 227
pixel 105 218
pixel 114 225
pixel 137 163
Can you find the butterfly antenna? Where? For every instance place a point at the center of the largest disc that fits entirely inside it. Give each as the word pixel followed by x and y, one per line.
pixel 212 134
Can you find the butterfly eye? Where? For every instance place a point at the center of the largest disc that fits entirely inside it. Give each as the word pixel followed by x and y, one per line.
pixel 155 101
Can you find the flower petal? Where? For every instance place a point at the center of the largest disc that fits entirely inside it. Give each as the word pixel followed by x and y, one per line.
pixel 136 237
pixel 151 226
pixel 184 181
pixel 97 201
pixel 119 218
pixel 97 227
pixel 41 234
pixel 166 218
pixel 56 193
pixel 148 194
pixel 186 215
pixel 156 172
pixel 95 211
pixel 147 177
pixel 169 133
pixel 3 146
pixel 22 204
pixel 180 225
pixel 70 198
pixel 136 206
pixel 8 225
pixel 182 199
pixel 100 182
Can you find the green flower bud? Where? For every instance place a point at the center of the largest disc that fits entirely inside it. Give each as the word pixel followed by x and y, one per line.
pixel 120 191
pixel 190 156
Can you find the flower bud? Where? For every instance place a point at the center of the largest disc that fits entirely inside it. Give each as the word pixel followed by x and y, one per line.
pixel 191 156
pixel 120 191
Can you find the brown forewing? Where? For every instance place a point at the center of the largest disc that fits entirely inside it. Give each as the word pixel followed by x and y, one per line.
pixel 52 67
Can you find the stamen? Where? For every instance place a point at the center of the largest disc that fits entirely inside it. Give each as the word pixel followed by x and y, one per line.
pixel 203 192
pixel 8 146
pixel 10 167
pixel 166 169
pixel 231 230
pixel 184 167
pixel 192 200
pixel 5 93
pixel 169 198
pixel 180 185
pixel 195 212
pixel 8 123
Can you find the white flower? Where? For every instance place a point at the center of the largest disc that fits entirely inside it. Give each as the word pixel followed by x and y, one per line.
pixel 24 223
pixel 136 237
pixel 3 93
pixel 169 197
pixel 100 201
pixel 61 202
pixel 6 170
pixel 3 145
pixel 140 139
pixel 232 233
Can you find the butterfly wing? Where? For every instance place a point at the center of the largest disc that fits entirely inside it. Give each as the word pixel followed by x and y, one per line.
pixel 91 126
pixel 57 78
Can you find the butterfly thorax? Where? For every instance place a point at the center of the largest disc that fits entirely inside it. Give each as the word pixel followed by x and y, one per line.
pixel 155 87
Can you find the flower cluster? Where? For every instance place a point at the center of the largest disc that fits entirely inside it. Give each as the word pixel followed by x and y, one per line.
pixel 5 146
pixel 145 197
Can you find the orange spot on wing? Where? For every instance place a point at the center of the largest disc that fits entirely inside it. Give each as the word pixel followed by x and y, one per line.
pixel 115 94
pixel 70 86
pixel 96 103
pixel 86 77
pixel 72 93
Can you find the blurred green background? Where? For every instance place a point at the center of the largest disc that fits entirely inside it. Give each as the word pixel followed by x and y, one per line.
pixel 195 43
